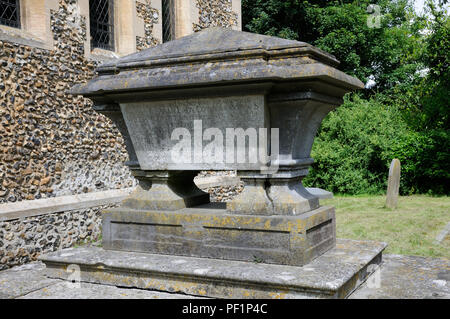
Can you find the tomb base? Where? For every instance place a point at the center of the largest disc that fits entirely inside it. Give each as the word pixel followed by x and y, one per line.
pixel 210 231
pixel 335 274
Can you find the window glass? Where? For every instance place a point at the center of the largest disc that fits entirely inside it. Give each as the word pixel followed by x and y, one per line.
pixel 101 15
pixel 10 13
pixel 168 20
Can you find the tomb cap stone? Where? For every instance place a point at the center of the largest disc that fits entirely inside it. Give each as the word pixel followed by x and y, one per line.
pixel 218 56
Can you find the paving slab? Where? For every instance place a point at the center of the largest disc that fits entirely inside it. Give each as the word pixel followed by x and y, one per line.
pixel 61 290
pixel 400 277
pixel 22 280
pixel 335 274
pixel 408 277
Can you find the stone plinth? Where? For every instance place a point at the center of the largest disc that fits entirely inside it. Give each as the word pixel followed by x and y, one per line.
pixel 334 274
pixel 209 231
pixel 208 91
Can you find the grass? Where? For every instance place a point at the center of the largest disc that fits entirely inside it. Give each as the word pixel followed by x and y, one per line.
pixel 410 229
pixel 89 242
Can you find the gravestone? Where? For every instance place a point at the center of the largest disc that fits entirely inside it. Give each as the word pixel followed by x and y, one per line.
pixel 255 103
pixel 393 184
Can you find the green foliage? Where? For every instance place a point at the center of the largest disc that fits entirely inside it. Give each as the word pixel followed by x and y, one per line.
pixel 425 161
pixel 426 110
pixel 357 142
pixel 355 145
pixel 405 115
pixel 341 28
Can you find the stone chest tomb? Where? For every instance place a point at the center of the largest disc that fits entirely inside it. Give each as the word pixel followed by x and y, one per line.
pixel 205 102
pixel 221 79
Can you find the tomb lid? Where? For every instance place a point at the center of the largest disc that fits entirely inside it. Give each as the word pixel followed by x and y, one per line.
pixel 215 41
pixel 216 56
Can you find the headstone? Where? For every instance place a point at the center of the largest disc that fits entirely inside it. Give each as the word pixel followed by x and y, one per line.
pixel 393 184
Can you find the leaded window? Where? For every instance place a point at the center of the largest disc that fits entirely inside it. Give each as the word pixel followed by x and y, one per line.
pixel 101 15
pixel 10 13
pixel 168 20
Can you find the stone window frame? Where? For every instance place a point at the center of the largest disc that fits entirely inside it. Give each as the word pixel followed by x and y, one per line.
pixel 34 30
pixel 127 26
pixel 187 14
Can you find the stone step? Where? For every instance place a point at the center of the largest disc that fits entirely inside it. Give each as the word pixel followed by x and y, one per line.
pixel 335 274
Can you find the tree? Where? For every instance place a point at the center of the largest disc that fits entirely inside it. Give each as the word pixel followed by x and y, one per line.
pixel 385 53
pixel 408 58
pixel 426 108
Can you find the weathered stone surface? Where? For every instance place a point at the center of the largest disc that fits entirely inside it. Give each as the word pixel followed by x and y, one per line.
pixel 165 191
pixel 333 275
pixel 154 122
pixel 272 59
pixel 19 281
pixel 209 231
pixel 410 277
pixel 239 80
pixel 219 79
pixel 400 277
pixel 319 193
pixel 393 184
pixel 94 291
pixel 30 282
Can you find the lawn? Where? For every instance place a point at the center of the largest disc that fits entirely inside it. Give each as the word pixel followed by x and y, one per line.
pixel 410 229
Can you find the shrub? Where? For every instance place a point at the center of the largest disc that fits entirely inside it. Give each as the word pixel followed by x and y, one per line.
pixel 355 145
